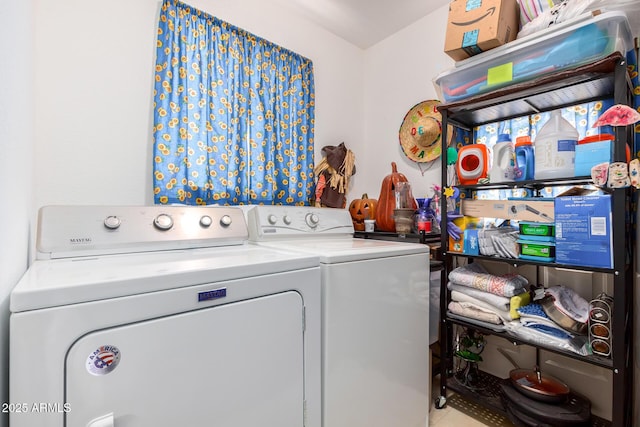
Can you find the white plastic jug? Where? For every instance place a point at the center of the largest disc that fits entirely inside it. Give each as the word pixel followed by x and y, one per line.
pixel 555 148
pixel 503 160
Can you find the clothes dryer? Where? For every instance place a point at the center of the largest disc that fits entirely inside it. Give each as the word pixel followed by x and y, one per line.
pixel 163 316
pixel 375 315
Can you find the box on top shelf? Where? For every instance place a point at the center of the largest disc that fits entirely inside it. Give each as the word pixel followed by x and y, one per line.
pixel 475 26
pixel 576 42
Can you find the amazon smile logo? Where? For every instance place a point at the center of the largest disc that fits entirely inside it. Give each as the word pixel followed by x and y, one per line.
pixel 489 12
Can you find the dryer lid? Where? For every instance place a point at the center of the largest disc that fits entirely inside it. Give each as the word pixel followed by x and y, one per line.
pixel 52 283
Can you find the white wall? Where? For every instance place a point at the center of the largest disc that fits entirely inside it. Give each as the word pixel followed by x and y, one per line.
pixel 94 78
pixel 398 75
pixel 76 93
pixel 16 166
pixel 94 93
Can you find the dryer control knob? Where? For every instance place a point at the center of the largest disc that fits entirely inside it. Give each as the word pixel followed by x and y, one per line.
pixel 225 221
pixel 112 222
pixel 206 221
pixel 287 219
pixel 163 222
pixel 272 219
pixel 312 220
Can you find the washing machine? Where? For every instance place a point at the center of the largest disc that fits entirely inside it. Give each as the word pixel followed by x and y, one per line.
pixel 375 315
pixel 163 316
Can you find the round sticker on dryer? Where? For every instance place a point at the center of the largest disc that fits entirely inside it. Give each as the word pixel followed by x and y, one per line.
pixel 103 360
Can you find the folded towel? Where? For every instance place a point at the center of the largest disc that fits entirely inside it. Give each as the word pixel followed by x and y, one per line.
pixel 533 311
pixel 547 329
pixel 462 297
pixel 533 316
pixel 472 311
pixel 475 276
pixel 497 301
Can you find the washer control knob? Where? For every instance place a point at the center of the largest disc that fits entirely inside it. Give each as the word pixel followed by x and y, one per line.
pixel 206 221
pixel 163 222
pixel 225 221
pixel 112 222
pixel 272 219
pixel 287 219
pixel 312 220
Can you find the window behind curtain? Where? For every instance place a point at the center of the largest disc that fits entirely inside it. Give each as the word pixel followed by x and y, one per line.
pixel 233 114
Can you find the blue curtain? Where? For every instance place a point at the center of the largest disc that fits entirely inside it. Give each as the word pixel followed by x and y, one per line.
pixel 233 114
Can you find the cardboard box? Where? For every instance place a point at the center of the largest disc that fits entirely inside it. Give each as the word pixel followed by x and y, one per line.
pixel 583 231
pixel 525 209
pixel 475 26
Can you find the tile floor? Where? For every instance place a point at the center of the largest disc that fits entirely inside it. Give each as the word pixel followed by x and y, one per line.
pixel 449 416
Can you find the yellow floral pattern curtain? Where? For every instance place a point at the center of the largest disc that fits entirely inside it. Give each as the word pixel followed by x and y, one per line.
pixel 233 114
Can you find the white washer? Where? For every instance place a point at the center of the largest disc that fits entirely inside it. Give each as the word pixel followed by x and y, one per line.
pixel 375 323
pixel 183 323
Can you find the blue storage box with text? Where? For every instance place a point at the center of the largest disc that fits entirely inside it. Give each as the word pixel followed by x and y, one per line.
pixel 583 231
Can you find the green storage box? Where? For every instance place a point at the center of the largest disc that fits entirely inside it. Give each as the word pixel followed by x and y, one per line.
pixel 536 250
pixel 542 231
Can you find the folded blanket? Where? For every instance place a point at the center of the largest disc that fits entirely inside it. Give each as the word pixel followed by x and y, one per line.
pixel 462 297
pixel 472 311
pixel 475 276
pixel 533 316
pixel 497 301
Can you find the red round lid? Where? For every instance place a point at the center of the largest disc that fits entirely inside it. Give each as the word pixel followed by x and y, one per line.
pixel 597 138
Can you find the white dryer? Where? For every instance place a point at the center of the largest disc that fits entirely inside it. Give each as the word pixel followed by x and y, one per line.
pixel 375 327
pixel 163 316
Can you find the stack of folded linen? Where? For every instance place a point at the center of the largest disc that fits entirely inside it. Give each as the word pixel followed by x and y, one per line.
pixel 533 316
pixel 484 297
pixel 537 322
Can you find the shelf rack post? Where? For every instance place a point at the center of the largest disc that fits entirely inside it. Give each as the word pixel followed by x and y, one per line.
pixel 604 79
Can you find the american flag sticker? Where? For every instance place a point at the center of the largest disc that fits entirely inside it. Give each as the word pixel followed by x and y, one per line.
pixel 103 360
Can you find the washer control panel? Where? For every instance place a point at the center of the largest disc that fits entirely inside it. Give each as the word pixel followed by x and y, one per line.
pixel 273 222
pixel 65 231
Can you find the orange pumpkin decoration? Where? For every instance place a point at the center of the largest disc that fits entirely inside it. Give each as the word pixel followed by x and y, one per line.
pixel 361 209
pixel 387 200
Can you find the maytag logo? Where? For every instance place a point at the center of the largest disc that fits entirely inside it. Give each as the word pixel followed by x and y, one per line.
pixel 80 240
pixel 212 294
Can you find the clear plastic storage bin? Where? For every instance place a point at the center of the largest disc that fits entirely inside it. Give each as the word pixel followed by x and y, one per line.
pixel 580 41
